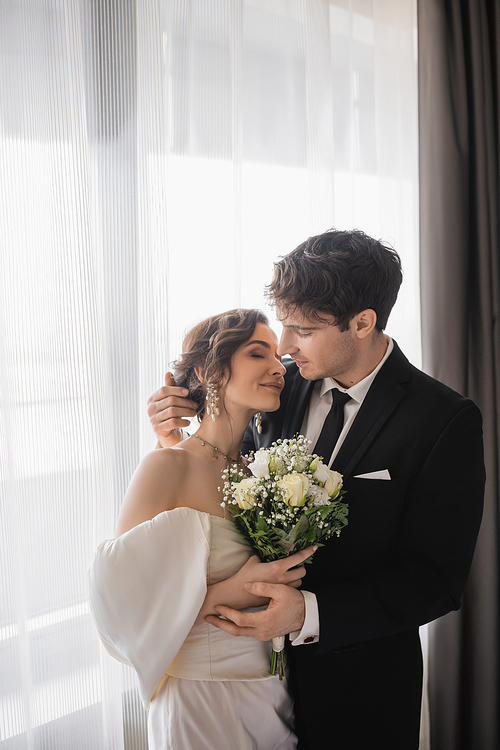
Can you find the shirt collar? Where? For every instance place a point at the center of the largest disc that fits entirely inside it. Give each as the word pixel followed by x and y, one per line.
pixel 359 390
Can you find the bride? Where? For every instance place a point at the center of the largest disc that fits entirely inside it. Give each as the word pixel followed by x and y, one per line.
pixel 177 555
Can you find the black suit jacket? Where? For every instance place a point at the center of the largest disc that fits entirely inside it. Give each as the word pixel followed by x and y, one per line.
pixel 402 560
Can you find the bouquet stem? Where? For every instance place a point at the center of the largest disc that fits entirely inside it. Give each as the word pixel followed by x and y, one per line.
pixel 278 656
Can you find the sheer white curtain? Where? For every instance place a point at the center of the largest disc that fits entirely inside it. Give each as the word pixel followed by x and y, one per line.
pixel 155 158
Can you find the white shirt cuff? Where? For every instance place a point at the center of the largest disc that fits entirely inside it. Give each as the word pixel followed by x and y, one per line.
pixel 310 628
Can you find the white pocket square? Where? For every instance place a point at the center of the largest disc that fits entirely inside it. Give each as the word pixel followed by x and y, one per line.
pixel 382 474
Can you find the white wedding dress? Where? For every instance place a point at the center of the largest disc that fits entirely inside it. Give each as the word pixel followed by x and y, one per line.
pixel 205 689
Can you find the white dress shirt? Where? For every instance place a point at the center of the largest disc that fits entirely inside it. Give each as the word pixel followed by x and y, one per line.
pixel 319 406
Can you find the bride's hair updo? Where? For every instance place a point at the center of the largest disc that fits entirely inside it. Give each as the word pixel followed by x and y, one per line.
pixel 208 347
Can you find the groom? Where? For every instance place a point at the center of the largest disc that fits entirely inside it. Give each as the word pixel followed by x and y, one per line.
pixel 410 451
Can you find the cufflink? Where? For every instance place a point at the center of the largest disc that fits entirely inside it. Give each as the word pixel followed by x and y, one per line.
pixel 309 639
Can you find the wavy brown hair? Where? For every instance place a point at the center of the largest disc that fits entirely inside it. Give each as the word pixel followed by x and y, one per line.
pixel 338 273
pixel 208 349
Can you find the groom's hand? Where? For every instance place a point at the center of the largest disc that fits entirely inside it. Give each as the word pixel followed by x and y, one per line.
pixel 285 613
pixel 169 410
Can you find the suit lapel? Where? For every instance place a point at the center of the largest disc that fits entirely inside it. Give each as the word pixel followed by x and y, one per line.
pixel 296 405
pixel 384 395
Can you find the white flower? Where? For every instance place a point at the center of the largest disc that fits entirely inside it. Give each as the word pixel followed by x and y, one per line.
pixel 301 462
pixel 295 487
pixel 277 465
pixel 334 482
pixel 320 471
pixel 260 464
pixel 242 492
pixel 318 495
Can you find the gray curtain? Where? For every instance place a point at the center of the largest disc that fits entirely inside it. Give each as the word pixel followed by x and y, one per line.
pixel 459 73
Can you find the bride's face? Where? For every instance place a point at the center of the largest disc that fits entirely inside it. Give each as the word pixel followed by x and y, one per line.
pixel 256 373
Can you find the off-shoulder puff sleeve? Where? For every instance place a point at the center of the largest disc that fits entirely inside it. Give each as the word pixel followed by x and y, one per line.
pixel 146 589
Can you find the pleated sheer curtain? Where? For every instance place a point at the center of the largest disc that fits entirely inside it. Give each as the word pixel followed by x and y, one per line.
pixel 155 158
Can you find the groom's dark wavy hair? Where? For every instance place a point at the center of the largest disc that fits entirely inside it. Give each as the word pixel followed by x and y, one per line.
pixel 337 273
pixel 207 349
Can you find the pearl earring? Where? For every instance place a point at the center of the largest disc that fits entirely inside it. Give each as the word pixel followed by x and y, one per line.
pixel 212 399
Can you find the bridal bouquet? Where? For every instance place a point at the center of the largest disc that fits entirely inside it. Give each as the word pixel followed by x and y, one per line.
pixel 291 501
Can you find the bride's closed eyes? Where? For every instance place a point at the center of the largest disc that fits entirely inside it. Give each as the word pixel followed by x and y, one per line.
pixel 261 353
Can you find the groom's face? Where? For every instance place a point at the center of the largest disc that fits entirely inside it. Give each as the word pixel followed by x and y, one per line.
pixel 320 349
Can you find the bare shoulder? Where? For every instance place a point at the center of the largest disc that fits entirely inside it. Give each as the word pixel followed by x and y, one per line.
pixel 156 486
pixel 164 462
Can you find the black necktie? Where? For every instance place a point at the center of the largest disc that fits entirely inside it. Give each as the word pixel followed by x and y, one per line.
pixel 332 426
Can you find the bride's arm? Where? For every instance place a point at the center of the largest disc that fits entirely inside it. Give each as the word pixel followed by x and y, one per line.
pixel 283 571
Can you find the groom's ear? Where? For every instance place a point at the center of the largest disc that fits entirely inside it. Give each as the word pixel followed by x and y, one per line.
pixel 363 324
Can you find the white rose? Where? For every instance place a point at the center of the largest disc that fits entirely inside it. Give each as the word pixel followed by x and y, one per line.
pixel 334 482
pixel 295 487
pixel 260 464
pixel 242 493
pixel 321 472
